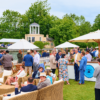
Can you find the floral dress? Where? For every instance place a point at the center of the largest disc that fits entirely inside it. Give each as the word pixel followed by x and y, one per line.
pixel 63 72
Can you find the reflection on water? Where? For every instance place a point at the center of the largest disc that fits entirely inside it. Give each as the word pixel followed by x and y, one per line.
pixel 14 54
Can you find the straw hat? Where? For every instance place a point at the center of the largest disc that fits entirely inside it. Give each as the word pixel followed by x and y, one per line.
pixel 43 74
pixel 48 51
pixel 28 51
pixel 48 68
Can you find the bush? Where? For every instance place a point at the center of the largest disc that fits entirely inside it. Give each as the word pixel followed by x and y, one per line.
pixel 40 44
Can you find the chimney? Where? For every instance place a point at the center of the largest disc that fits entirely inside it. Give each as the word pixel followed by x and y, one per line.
pixel 47 36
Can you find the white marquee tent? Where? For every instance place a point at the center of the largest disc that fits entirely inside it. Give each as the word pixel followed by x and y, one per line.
pixel 22 44
pixel 66 45
pixel 9 40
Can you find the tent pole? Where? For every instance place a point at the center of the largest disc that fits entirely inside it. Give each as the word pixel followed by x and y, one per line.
pixel 99 49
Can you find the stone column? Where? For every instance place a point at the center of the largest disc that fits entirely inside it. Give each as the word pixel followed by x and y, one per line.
pixel 38 30
pixel 30 29
pixel 35 29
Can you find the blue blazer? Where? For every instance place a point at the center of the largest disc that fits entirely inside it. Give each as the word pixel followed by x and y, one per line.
pixel 83 64
pixel 28 88
pixel 28 59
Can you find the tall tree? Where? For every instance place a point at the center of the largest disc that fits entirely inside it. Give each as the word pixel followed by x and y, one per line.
pixel 9 24
pixel 39 13
pixel 96 24
pixel 63 31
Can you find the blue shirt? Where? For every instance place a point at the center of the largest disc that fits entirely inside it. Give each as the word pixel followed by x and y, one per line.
pixel 0 57
pixel 94 53
pixel 28 59
pixel 50 78
pixel 37 75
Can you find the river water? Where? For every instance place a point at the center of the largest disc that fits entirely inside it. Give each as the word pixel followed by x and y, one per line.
pixel 14 54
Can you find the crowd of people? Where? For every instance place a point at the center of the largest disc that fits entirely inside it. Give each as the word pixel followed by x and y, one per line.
pixel 58 61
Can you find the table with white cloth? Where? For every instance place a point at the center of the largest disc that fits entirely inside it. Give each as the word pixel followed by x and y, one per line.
pixel 45 60
pixel 71 71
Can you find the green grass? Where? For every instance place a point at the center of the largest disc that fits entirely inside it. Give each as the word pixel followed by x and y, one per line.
pixel 78 92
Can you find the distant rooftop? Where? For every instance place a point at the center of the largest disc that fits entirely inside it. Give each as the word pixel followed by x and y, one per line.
pixel 35 24
pixel 49 39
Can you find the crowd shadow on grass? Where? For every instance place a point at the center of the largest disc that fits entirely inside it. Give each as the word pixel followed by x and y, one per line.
pixel 78 92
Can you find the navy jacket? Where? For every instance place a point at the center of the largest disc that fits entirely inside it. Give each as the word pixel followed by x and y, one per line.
pixel 57 57
pixel 94 53
pixel 34 74
pixel 28 59
pixel 0 57
pixel 44 54
pixel 47 54
pixel 28 88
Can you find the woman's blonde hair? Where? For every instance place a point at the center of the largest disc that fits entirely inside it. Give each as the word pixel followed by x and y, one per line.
pixel 48 72
pixel 64 52
pixel 71 50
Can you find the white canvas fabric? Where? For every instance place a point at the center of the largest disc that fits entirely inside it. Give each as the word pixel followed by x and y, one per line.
pixel 90 37
pixel 1 80
pixel 22 44
pixel 5 73
pixel 13 95
pixel 57 81
pixel 66 45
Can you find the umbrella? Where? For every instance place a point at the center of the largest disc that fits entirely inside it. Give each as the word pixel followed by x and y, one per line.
pixel 66 45
pixel 9 40
pixel 22 44
pixel 90 37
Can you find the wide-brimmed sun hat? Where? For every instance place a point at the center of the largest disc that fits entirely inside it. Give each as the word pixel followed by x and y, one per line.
pixel 42 74
pixel 48 68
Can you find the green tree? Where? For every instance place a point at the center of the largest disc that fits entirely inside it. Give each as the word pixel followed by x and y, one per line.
pixel 39 13
pixel 9 24
pixel 63 30
pixel 40 44
pixel 96 24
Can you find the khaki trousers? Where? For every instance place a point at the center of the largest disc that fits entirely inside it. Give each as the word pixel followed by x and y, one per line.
pixel 28 68
pixel 1 68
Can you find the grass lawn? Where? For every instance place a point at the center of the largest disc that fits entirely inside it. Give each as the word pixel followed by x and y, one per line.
pixel 79 92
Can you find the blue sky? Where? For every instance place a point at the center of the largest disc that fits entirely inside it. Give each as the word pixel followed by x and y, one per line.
pixel 88 8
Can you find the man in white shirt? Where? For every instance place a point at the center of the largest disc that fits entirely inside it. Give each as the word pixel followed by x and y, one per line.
pixel 77 57
pixel 36 61
pixel 88 56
